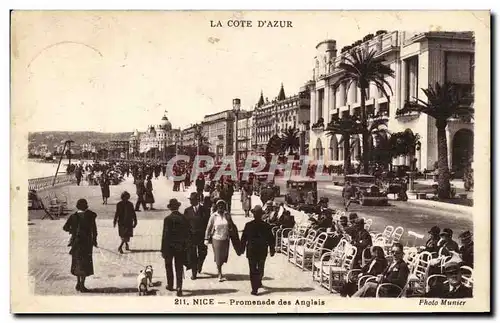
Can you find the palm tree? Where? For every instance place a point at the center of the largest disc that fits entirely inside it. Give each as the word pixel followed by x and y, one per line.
pixel 274 145
pixel 347 126
pixel 290 140
pixel 444 102
pixel 363 67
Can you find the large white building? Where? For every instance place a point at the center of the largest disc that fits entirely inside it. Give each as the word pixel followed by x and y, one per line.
pixel 155 140
pixel 419 61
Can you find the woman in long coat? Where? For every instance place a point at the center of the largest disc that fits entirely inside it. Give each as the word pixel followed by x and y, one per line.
pixel 127 220
pixel 82 227
pixel 148 195
pixel 105 187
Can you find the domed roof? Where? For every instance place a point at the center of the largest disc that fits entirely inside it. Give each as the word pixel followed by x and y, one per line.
pixel 136 133
pixel 165 124
pixel 152 130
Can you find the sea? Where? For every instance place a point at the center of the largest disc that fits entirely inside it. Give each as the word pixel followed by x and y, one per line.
pixel 38 169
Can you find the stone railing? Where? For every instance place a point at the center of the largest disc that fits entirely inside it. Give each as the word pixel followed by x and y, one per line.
pixel 41 183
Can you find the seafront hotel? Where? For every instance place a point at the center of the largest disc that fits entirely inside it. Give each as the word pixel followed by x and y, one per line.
pixel 419 61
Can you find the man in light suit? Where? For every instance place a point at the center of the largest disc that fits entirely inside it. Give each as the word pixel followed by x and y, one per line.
pixel 197 217
pixel 257 237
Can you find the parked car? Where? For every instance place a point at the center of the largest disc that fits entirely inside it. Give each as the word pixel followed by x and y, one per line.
pixel 367 190
pixel 297 192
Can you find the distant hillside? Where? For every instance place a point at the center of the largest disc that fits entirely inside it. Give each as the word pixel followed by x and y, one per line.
pixel 51 138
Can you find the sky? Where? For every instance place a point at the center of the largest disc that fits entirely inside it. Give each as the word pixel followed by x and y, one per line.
pixel 119 71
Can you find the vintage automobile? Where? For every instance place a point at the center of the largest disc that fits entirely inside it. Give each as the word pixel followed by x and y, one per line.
pixel 367 190
pixel 298 191
pixel 261 179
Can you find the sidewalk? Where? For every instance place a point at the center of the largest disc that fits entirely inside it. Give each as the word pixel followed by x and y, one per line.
pixel 115 274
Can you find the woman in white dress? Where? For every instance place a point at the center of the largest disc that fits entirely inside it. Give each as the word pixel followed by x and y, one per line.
pixel 218 234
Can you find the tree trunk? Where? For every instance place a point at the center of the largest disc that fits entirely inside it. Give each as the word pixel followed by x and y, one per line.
pixel 443 171
pixel 347 154
pixel 366 133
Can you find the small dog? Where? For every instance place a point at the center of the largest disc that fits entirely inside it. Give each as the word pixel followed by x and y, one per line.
pixel 149 275
pixel 145 280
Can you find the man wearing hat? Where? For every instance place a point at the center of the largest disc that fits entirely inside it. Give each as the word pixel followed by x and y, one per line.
pixel 198 221
pixel 396 273
pixel 352 228
pixel 266 194
pixel 269 209
pixel 447 241
pixel 452 287
pixel 432 244
pixel 257 237
pixel 467 249
pixel 274 216
pixel 361 241
pixel 174 244
pixel 347 193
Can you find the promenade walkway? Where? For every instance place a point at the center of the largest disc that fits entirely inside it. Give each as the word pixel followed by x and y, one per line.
pixel 115 274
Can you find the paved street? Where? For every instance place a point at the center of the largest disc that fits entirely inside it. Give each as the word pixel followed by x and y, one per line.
pixel 115 274
pixel 409 215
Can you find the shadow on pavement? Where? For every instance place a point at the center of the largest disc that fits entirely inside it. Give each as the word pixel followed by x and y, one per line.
pixel 240 277
pixel 205 292
pixel 269 290
pixel 112 290
pixel 206 276
pixel 143 250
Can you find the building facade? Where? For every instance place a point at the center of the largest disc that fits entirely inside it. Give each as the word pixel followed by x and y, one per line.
pixel 245 134
pixel 118 148
pixel 218 129
pixel 188 136
pixel 155 140
pixel 419 61
pixel 273 117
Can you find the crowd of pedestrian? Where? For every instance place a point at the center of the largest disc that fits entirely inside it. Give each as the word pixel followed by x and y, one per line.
pixel 207 221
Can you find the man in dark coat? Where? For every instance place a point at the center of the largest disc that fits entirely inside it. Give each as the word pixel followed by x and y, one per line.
pixel 454 288
pixel 200 186
pixel 352 228
pixel 78 175
pixel 397 274
pixel 348 192
pixel 227 194
pixel 257 237
pixel 361 241
pixel 140 189
pixel 198 221
pixel 432 244
pixel 467 249
pixel 447 241
pixel 266 194
pixel 174 244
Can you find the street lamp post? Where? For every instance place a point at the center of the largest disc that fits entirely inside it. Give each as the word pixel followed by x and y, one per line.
pixel 236 110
